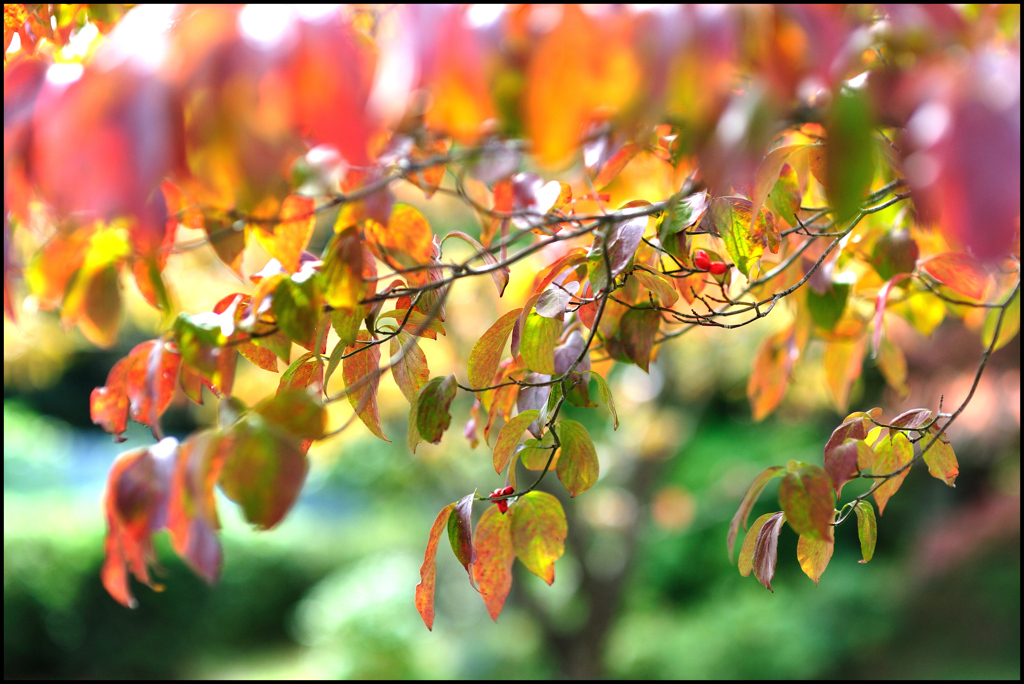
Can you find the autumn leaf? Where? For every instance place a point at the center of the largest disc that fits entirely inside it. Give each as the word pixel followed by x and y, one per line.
pixel 766 549
pixel 432 415
pixel 460 533
pixel 509 436
pixel 428 571
pixel 639 327
pixel 867 529
pixel 410 371
pixel 891 454
pixel 605 394
pixel 806 497
pixel 814 555
pixel 769 378
pixel 540 335
pixel 577 467
pixel 192 511
pixel 538 533
pixel 749 499
pixel 494 559
pixel 406 242
pixel 286 237
pixel 941 461
pixel 361 370
pixel 486 353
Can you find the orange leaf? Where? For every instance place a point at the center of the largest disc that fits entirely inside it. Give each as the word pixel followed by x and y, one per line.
pixel 363 367
pixel 407 241
pixel 428 571
pixel 286 239
pixel 959 272
pixel 494 559
pixel 770 376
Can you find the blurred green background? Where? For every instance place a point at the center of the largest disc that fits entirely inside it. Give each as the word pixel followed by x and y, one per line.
pixel 645 589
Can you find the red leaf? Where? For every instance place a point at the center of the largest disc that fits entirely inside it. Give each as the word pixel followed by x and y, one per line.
pixel 192 512
pixel 495 556
pixel 460 533
pixel 806 497
pixel 361 366
pixel 428 571
pixel 766 550
pixel 135 504
pixel 769 378
pixel 638 329
pixel 143 383
pixel 959 272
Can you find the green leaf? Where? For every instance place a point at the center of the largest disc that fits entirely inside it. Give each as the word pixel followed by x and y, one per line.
pixel 428 571
pixel 264 469
pixel 538 533
pixel 460 533
pixel 814 555
pixel 298 306
pixel 540 336
pixel 638 329
pixel 346 323
pixel 412 437
pixel 766 549
pixel 201 343
pixel 807 498
pixel 1009 328
pixel 867 529
pixel 827 308
pixel 432 416
pixel 849 165
pixel 486 353
pixel 744 243
pixel 494 559
pixel 361 369
pixel 891 454
pixel 784 199
pixel 605 393
pixel 895 252
pixel 509 437
pixel 536 452
pixel 749 499
pixel 410 372
pixel 577 467
pixel 941 461
pixel 295 410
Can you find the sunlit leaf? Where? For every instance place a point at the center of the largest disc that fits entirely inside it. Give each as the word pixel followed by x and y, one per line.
pixel 499 275
pixel 192 511
pixel 766 180
pixel 1008 329
pixel 494 559
pixel 827 307
pixel 407 241
pixel 343 284
pixel 605 393
pixel 842 361
pixel 509 436
pixel 615 164
pixel 622 241
pixel 410 371
pixel 305 371
pixel 867 529
pixel 298 307
pixel 959 272
pixel 941 461
pixel 538 533
pixel 540 335
pixel 892 453
pixel 432 414
pixel 286 237
pixel 577 467
pixel 460 533
pixel 428 571
pixel 814 555
pixel 770 376
pixel 361 369
pixel 807 498
pixel 749 499
pixel 486 353
pixel 745 242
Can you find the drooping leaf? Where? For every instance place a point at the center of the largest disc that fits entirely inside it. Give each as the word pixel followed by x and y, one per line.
pixel 807 498
pixel 228 241
pixel 843 360
pixel 941 461
pixel 639 327
pixel 1007 330
pixel 766 549
pixel 867 529
pixel 494 559
pixel 305 371
pixel 784 199
pixel 264 469
pixel 486 353
pixel 552 302
pixel 428 571
pixel 192 511
pixel 432 415
pixel 140 385
pixel 911 419
pixel 749 499
pixel 460 533
pixel 201 341
pixel 827 307
pixel 849 164
pixel 577 467
pixel 768 174
pixel 361 369
pixel 540 335
pixel 814 555
pixel 611 168
pixel 770 376
pixel 893 365
pixel 891 454
pixel 343 284
pixel 298 411
pixel 745 562
pixel 605 393
pixel 410 372
pixel 622 241
pixel 509 436
pixel 135 505
pixel 538 533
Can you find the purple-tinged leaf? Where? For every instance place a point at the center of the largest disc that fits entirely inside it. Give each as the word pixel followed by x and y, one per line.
pixel 841 461
pixel 638 329
pixel 570 350
pixel 499 275
pixel 912 419
pixel 766 550
pixel 552 302
pixel 460 533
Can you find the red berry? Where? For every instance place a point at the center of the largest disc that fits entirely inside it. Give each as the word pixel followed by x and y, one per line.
pixel 497 492
pixel 503 505
pixel 508 490
pixel 718 268
pixel 701 260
